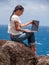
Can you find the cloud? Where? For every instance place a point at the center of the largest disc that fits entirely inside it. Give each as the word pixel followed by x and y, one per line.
pixel 32 5
pixel 37 7
pixel 33 9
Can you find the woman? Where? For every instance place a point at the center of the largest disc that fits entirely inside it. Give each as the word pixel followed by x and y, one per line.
pixel 15 29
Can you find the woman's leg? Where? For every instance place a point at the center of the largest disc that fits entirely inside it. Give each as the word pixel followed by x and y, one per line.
pixel 29 36
pixel 31 42
pixel 20 37
pixel 33 48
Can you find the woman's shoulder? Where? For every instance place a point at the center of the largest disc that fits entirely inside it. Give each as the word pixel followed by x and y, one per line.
pixel 15 16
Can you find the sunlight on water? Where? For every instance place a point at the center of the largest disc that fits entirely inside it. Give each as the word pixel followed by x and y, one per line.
pixel 47 54
pixel 38 43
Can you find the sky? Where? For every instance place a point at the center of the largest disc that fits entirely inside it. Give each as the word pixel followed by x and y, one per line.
pixel 33 10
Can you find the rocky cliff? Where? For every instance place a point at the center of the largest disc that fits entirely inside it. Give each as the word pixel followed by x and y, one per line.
pixel 15 53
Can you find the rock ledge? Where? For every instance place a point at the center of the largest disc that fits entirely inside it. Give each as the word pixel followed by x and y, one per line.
pixel 15 53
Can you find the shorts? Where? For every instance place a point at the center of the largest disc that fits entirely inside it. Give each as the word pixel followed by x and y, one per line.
pixel 23 36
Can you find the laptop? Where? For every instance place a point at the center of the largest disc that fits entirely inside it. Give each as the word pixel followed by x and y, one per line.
pixel 32 27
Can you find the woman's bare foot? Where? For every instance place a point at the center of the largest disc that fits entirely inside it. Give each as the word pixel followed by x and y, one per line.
pixel 33 48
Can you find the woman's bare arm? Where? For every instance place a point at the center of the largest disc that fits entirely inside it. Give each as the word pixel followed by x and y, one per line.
pixel 18 27
pixel 31 22
pixel 25 24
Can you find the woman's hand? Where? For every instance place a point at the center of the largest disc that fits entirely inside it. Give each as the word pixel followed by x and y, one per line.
pixel 32 22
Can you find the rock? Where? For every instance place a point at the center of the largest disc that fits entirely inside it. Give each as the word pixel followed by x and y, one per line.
pixel 2 42
pixel 43 60
pixel 3 57
pixel 15 53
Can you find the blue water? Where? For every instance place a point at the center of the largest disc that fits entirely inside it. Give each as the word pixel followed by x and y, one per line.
pixel 42 38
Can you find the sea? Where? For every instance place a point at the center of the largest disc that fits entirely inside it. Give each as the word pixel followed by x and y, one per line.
pixel 41 36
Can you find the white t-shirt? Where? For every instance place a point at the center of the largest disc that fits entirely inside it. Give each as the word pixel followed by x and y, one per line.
pixel 11 26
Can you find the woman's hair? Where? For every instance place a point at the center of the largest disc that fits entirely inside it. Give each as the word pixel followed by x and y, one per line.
pixel 18 7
